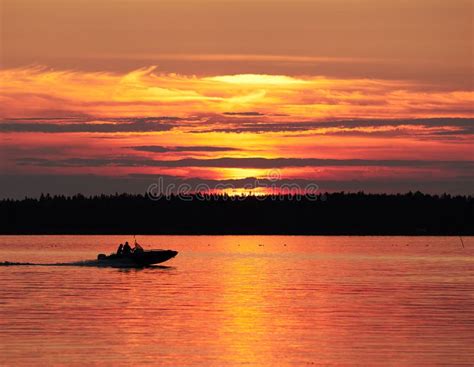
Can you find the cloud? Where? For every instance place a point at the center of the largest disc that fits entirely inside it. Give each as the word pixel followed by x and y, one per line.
pixel 36 150
pixel 241 122
pixel 228 118
pixel 413 127
pixel 255 162
pixel 258 79
pixel 150 124
pixel 250 113
pixel 168 149
pixel 239 57
pixel 253 122
pixel 38 91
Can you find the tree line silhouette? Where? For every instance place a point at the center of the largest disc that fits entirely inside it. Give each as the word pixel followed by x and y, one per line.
pixel 325 214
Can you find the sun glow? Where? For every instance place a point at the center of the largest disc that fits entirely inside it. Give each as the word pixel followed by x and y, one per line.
pixel 258 79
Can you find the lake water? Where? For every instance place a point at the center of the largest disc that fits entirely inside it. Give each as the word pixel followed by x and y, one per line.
pixel 240 300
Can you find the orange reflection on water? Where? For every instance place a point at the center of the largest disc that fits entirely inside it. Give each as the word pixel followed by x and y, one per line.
pixel 244 334
pixel 240 300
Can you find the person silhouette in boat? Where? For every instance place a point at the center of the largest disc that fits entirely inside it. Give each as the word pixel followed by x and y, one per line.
pixel 127 250
pixel 120 249
pixel 137 248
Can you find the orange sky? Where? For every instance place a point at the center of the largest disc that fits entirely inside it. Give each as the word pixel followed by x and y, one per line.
pixel 373 92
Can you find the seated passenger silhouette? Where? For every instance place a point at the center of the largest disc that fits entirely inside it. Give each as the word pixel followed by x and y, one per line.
pixel 127 250
pixel 120 249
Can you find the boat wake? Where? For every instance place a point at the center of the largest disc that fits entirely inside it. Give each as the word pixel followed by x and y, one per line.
pixel 75 263
pixel 135 259
pixel 91 263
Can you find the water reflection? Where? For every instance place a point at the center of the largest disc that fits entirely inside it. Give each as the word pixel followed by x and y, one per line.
pixel 227 301
pixel 149 268
pixel 245 330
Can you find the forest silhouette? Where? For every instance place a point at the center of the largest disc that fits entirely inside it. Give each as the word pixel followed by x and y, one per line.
pixel 325 214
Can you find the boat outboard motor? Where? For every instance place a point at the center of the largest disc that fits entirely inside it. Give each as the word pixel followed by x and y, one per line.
pixel 101 257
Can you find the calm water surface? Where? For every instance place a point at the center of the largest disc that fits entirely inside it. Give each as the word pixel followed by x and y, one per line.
pixel 240 300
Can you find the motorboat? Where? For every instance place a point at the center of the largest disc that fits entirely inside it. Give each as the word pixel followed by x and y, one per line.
pixel 136 258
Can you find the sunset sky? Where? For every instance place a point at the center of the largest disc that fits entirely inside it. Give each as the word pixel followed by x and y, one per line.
pixel 107 95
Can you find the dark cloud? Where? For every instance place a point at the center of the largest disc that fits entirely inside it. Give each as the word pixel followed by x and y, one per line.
pixel 167 149
pixel 462 126
pixel 263 127
pixel 250 113
pixel 227 162
pixel 253 122
pixel 45 150
pixel 147 124
pixel 52 118
pixel 431 122
pixel 156 119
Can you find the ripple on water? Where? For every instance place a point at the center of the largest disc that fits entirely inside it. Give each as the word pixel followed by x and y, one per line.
pixel 321 300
